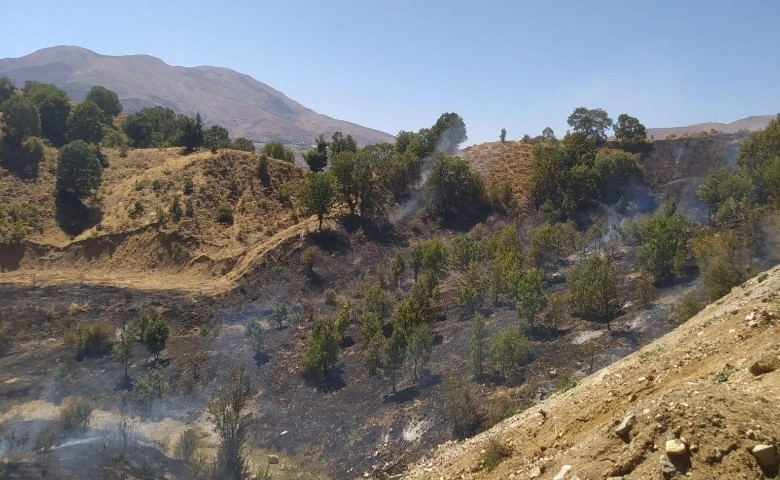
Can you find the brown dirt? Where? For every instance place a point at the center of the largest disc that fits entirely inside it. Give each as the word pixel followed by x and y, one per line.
pixel 693 384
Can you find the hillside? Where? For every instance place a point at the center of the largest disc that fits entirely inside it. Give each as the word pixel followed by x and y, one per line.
pixel 504 163
pixel 698 401
pixel 246 107
pixel 751 124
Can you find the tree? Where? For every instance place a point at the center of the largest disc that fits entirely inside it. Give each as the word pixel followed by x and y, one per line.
pixel 592 122
pixel 420 346
pixel 448 132
pixel 615 171
pixel 107 100
pixel 123 349
pixel 629 129
pixel 321 351
pixel 79 168
pixel 723 185
pixel 530 298
pixel 20 120
pixel 548 134
pixel 317 157
pixel 192 133
pixel 478 345
pixel 216 137
pixel 397 269
pixel 510 350
pixel 472 288
pixel 254 332
pixel 502 137
pixel 758 155
pixel 340 144
pixel 53 107
pixel 376 301
pixel 317 195
pixel 665 235
pixel 243 144
pixel 7 89
pixel 156 336
pixel 361 180
pixel 371 328
pixel 154 127
pixel 395 354
pixel 228 411
pixel 86 123
pixel 452 189
pixel 278 151
pixel 592 286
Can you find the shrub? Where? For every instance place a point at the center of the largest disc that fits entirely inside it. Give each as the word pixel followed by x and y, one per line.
pixel 262 167
pixel 308 258
pixel 188 208
pixel 91 339
pixel 254 331
pixel 495 453
pixel 225 214
pixel 330 296
pixel 175 209
pixel 460 406
pixel 278 151
pixel 61 383
pixel 75 415
pixel 187 445
pixel 189 187
pixel 137 210
pixel 687 307
pixel 149 387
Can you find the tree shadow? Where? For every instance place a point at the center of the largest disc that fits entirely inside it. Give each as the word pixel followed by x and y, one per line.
pixel 20 161
pixel 404 395
pixel 329 240
pixel 378 231
pixel 261 358
pixel 333 381
pixel 72 216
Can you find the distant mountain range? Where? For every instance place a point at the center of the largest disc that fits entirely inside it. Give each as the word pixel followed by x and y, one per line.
pixel 238 102
pixel 751 124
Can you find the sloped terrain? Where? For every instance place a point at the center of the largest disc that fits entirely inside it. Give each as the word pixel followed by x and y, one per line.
pixel 246 107
pixel 697 403
pixel 751 124
pixel 504 163
pixel 131 231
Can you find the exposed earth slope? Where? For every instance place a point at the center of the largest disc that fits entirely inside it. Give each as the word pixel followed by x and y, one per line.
pixel 246 107
pixel 702 402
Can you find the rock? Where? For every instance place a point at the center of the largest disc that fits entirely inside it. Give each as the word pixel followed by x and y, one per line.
pixel 766 364
pixel 535 472
pixel 273 459
pixel 666 465
pixel 675 446
pixel 625 426
pixel 562 473
pixel 766 455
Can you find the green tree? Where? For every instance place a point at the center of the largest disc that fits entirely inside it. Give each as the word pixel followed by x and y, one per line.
pixel 154 127
pixel 321 351
pixel 216 137
pixel 548 134
pixel 448 132
pixel 376 301
pixel 339 143
pixel 192 133
pixel 629 129
pixel 502 137
pixel 7 89
pixel 592 122
pixel 530 297
pixel 452 189
pixel 123 349
pixel 665 239
pixel 107 100
pixel 254 332
pixel 420 345
pixel 317 195
pixel 592 286
pixel 86 123
pixel 395 354
pixel 53 107
pixel 317 157
pixel 472 288
pixel 20 120
pixel 397 270
pixel 615 171
pixel 156 336
pixel 79 168
pixel 759 156
pixel 278 151
pixel 509 351
pixel 723 185
pixel 371 329
pixel 244 144
pixel 361 182
pixel 478 344
pixel 228 411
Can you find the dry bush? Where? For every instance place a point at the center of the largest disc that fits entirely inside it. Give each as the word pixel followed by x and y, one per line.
pixel 90 340
pixel 75 415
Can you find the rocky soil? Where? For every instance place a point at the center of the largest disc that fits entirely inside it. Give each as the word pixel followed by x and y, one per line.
pixel 701 402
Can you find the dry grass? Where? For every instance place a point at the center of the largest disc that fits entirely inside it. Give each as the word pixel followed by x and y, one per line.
pixel 504 163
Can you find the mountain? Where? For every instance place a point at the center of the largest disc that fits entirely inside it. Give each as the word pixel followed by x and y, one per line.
pixel 751 124
pixel 243 105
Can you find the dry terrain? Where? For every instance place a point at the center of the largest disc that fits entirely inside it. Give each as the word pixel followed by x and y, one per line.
pixel 504 163
pixel 701 402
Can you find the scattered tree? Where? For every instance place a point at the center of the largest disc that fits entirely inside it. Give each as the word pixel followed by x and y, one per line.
pixel 106 100
pixel 7 89
pixel 340 144
pixel 509 351
pixel 317 157
pixel 452 189
pixel 216 137
pixel 321 351
pixel 86 123
pixel 448 132
pixel 53 107
pixel 397 270
pixel 228 411
pixel 278 151
pixel 395 354
pixel 592 286
pixel 420 345
pixel 530 298
pixel 192 133
pixel 254 332
pixel 155 337
pixel 20 120
pixel 244 144
pixel 317 195
pixel 548 134
pixel 665 236
pixel 502 137
pixel 371 329
pixel 628 129
pixel 592 122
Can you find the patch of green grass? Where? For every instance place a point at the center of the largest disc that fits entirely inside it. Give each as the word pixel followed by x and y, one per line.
pixel 565 384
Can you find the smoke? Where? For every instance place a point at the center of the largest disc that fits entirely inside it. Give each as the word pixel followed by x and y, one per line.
pixel 415 200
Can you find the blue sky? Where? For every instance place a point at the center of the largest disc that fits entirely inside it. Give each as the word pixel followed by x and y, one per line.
pixel 499 64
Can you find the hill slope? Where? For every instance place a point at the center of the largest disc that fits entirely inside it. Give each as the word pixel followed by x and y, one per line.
pixel 243 105
pixel 713 384
pixel 752 124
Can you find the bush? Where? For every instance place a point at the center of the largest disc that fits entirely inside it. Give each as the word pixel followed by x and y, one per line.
pixel 495 453
pixel 330 296
pixel 187 445
pixel 262 167
pixel 149 387
pixel 225 214
pixel 137 210
pixel 175 209
pixel 90 340
pixel 278 151
pixel 687 307
pixel 189 186
pixel 75 415
pixel 308 257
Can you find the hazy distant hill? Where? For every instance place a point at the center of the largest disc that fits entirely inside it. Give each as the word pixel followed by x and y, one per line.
pixel 752 124
pixel 245 106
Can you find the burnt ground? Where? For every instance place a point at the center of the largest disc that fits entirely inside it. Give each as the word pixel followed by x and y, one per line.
pixel 347 426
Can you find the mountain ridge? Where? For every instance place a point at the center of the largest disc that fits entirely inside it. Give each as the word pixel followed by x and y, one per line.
pixel 245 106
